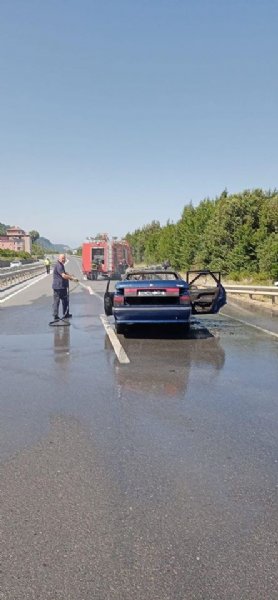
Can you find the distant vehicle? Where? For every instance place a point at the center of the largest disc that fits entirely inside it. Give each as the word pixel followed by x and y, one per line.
pixel 160 297
pixel 104 257
pixel 15 263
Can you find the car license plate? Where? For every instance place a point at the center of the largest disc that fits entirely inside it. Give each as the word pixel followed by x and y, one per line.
pixel 151 293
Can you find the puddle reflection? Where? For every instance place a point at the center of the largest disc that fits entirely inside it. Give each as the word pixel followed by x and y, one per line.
pixel 164 368
pixel 61 344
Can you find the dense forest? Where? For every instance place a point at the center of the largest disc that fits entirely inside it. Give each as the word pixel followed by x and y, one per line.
pixel 236 234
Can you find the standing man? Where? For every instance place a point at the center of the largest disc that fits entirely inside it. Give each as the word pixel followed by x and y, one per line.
pixel 60 287
pixel 47 265
pixel 166 264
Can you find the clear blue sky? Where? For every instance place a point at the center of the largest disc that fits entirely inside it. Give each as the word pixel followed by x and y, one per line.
pixel 118 112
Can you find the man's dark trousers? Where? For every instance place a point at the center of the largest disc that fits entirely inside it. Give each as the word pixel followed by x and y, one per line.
pixel 64 297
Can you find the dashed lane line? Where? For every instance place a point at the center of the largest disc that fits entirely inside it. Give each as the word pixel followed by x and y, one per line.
pixel 118 349
pixel 251 325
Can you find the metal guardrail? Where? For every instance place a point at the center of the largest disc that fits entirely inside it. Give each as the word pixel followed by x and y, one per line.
pixel 14 276
pixel 254 290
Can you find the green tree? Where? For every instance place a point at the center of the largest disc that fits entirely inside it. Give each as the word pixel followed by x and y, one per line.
pixel 34 235
pixel 166 244
pixel 268 256
pixel 3 229
pixel 203 217
pixel 152 234
pixel 232 233
pixel 38 250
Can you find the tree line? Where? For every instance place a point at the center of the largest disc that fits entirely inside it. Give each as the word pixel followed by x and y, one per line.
pixel 236 234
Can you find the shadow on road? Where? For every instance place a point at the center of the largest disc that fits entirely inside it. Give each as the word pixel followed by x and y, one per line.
pixel 167 332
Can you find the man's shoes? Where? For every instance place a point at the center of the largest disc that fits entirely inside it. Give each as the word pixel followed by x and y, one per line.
pixel 67 316
pixel 55 318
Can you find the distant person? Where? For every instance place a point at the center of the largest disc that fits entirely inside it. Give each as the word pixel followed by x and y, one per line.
pixel 60 288
pixel 166 264
pixel 47 265
pixel 121 268
pixel 125 265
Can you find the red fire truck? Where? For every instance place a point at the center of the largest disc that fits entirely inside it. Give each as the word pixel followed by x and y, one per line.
pixel 104 257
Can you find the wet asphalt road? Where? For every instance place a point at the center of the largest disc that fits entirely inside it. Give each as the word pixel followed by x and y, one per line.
pixel 149 481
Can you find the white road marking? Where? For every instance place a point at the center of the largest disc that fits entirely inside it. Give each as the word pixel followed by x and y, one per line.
pixel 118 349
pixel 87 287
pixel 251 325
pixel 91 292
pixel 94 293
pixel 39 278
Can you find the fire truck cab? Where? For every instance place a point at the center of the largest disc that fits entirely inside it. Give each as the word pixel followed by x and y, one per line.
pixel 104 257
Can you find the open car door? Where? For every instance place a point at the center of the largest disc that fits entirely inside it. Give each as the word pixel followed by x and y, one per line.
pixel 108 300
pixel 207 295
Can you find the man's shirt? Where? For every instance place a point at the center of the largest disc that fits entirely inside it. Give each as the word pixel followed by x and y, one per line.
pixel 59 283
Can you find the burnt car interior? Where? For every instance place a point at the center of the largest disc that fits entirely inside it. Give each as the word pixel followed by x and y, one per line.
pixel 205 290
pixel 148 275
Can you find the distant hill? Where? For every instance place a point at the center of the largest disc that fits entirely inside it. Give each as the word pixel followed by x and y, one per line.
pixel 45 243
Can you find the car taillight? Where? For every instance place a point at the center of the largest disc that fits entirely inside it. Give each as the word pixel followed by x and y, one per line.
pixel 118 300
pixel 184 299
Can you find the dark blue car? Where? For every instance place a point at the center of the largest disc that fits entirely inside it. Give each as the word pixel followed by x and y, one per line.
pixel 158 296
